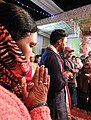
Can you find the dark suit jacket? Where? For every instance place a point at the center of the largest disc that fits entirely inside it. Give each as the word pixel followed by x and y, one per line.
pixel 51 60
pixel 56 93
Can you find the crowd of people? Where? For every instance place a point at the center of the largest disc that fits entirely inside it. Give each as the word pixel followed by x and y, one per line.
pixel 84 83
pixel 81 97
pixel 38 87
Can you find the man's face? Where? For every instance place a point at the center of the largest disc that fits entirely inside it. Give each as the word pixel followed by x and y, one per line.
pixel 73 59
pixel 67 54
pixel 63 44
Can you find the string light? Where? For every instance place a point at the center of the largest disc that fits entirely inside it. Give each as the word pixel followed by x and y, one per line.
pixel 33 8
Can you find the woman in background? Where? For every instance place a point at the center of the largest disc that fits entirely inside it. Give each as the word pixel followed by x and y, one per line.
pixel 32 69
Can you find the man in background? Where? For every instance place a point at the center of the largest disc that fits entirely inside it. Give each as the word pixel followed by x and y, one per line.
pixel 70 66
pixel 52 60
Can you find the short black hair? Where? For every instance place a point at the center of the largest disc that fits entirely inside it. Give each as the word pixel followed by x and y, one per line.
pixel 16 20
pixel 56 35
pixel 73 57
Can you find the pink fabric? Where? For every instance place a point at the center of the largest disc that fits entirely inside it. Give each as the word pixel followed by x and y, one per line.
pixel 11 108
pixel 28 76
pixel 13 64
pixel 40 113
pixel 16 63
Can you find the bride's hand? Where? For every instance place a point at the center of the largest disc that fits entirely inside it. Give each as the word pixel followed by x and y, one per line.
pixel 38 88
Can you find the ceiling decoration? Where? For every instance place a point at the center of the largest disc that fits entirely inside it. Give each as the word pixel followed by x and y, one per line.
pixel 48 28
pixel 31 8
pixel 49 6
pixel 51 11
pixel 38 13
pixel 76 14
pixel 85 25
pixel 82 16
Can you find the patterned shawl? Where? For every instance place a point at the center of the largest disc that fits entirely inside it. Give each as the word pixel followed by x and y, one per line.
pixel 13 64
